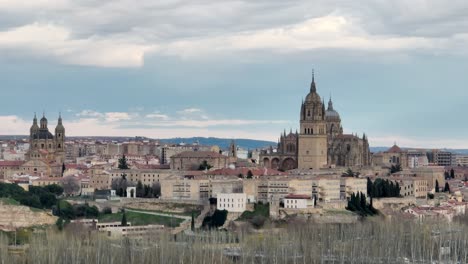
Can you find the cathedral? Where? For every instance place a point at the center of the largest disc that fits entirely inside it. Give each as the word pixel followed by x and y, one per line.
pixel 320 142
pixel 46 153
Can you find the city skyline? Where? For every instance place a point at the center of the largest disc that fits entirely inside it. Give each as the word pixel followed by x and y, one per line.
pixel 394 70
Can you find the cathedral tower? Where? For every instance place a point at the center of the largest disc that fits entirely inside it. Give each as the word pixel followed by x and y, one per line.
pixel 60 141
pixel 312 145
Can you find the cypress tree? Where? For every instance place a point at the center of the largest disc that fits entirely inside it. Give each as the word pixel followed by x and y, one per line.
pixel 437 186
pixel 139 190
pixel 193 222
pixel 369 187
pixel 447 187
pixel 124 219
pixel 363 201
pixel 123 163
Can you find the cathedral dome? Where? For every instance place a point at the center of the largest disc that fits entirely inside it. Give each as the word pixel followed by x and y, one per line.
pixel 331 114
pixel 43 134
pixel 313 97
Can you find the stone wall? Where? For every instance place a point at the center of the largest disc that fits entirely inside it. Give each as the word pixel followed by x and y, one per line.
pixel 15 216
pixel 393 203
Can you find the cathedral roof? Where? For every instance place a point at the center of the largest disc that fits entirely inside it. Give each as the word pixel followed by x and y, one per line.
pixel 43 134
pixel 313 96
pixel 331 113
pixel 394 149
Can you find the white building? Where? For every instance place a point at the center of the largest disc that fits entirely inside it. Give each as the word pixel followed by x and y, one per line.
pixel 461 160
pixel 232 202
pixel 416 160
pixel 298 201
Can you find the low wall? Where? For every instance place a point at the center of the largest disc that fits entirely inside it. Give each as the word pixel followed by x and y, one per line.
pixel 393 203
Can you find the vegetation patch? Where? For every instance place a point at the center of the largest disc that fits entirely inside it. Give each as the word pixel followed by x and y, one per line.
pixel 216 220
pixel 9 201
pixel 259 216
pixel 37 197
pixel 138 219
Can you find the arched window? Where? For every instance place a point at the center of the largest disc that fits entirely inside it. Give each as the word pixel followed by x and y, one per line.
pixel 308 112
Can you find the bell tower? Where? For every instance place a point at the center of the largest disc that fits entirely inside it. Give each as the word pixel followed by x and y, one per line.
pixel 312 147
pixel 60 141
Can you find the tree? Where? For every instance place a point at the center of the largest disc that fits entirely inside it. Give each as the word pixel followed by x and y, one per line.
pixel 446 175
pixel 437 186
pixel 140 191
pixel 70 185
pixel 349 173
pixel 123 163
pixel 120 186
pixel 59 223
pixel 63 168
pixel 124 219
pixel 205 166
pixel 452 173
pixel 369 187
pixel 249 174
pixel 54 188
pixel 192 226
pixel 156 187
pixel 395 168
pixel 447 187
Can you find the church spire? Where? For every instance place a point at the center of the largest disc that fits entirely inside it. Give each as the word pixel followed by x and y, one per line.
pixel 60 119
pixel 330 104
pixel 313 88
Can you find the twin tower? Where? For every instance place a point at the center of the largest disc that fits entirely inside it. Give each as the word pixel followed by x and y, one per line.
pixel 44 145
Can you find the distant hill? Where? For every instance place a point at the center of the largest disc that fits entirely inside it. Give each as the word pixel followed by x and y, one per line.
pixel 221 142
pixel 456 151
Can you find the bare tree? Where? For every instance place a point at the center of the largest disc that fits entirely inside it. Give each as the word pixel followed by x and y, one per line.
pixel 71 185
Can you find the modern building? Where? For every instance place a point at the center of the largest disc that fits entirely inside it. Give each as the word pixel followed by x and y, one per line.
pixel 444 158
pixel 232 202
pixel 298 201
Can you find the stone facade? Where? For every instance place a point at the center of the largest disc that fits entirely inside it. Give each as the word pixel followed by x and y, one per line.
pixel 46 154
pixel 320 142
pixel 191 160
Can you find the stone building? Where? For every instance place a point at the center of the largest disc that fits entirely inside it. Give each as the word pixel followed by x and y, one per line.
pixel 46 153
pixel 320 142
pixel 191 160
pixel 392 157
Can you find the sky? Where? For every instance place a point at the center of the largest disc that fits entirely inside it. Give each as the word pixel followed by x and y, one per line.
pixel 396 70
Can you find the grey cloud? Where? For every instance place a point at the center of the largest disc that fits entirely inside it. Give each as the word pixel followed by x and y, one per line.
pixel 172 26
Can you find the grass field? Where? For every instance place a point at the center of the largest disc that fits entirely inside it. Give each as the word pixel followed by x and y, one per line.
pixel 196 212
pixel 138 219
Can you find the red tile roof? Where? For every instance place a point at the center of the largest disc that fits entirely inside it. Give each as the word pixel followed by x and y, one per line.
pixel 152 166
pixel 11 163
pixel 297 196
pixel 244 171
pixel 198 154
pixel 394 149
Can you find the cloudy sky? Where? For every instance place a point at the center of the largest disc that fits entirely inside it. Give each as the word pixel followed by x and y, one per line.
pixel 396 70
